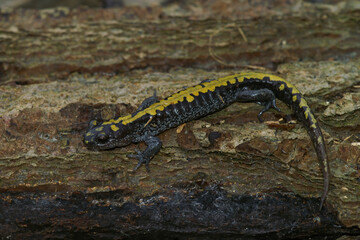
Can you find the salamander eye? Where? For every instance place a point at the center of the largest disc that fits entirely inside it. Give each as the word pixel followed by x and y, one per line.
pixel 102 137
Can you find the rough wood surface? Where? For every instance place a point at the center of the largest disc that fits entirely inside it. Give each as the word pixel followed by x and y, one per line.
pixel 60 68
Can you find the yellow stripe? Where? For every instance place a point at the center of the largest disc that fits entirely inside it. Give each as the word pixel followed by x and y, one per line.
pixel 303 103
pixel 200 88
pixel 307 112
pixel 114 128
pixel 111 121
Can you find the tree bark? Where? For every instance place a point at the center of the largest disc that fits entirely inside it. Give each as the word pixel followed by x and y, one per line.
pixel 226 173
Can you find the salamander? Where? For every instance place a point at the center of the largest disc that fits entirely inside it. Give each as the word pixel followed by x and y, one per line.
pixel 154 116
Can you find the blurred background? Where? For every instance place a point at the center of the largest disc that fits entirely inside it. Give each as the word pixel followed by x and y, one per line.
pixel 40 4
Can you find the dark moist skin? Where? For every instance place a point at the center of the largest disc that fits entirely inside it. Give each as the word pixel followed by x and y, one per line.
pixel 154 117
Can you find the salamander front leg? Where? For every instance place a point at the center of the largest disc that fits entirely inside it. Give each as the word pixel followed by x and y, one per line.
pixel 263 97
pixel 146 103
pixel 153 147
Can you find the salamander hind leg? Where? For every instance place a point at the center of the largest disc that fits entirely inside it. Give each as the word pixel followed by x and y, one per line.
pixel 208 80
pixel 263 97
pixel 153 147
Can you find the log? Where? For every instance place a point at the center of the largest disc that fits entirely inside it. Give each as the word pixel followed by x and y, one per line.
pixel 223 175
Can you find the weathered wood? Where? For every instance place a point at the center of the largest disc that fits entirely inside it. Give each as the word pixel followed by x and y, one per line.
pixel 57 73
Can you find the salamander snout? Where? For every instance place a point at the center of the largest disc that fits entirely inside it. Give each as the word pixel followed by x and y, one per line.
pixel 102 136
pixel 98 137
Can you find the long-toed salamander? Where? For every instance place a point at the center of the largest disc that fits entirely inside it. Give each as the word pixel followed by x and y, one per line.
pixel 155 116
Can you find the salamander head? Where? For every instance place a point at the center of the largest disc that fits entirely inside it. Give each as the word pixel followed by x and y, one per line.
pixel 105 136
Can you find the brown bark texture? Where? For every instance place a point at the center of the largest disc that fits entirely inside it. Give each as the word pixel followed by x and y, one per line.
pixel 224 175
